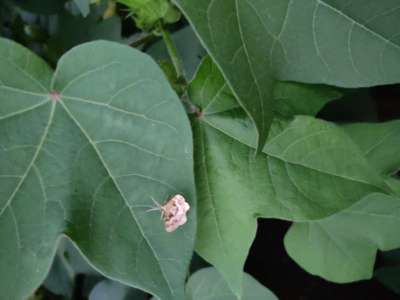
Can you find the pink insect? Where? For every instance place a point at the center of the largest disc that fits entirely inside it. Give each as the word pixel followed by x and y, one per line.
pixel 173 213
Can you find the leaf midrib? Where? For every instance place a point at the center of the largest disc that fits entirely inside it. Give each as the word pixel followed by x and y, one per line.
pixel 255 79
pixel 209 192
pixel 39 150
pixel 342 248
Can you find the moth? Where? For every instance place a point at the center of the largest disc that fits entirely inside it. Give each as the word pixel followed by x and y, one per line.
pixel 173 212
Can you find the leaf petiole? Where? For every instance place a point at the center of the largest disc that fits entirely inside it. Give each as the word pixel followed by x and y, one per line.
pixel 173 52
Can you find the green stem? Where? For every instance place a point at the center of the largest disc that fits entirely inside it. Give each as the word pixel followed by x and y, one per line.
pixel 173 53
pixel 144 40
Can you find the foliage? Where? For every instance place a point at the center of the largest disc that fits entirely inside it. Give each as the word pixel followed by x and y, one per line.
pixel 208 284
pixel 105 117
pixel 89 151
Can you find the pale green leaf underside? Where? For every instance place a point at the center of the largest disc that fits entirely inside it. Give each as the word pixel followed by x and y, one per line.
pixel 89 165
pixel 107 290
pixel 255 42
pixel 207 284
pixel 342 247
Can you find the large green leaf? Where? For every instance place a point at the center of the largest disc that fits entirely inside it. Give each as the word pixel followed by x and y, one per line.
pixel 211 93
pixel 380 144
pixel 317 41
pixel 342 247
pixel 303 173
pixel 83 152
pixel 207 284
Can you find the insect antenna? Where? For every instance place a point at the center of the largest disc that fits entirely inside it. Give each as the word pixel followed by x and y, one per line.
pixel 158 206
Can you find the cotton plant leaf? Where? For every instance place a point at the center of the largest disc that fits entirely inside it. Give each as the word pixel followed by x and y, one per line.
pixel 107 289
pixel 67 264
pixel 292 98
pixel 83 153
pixel 342 247
pixel 302 174
pixel 227 222
pixel 380 142
pixel 394 184
pixel 207 284
pixel 209 91
pixel 212 93
pixel 61 276
pixel 258 42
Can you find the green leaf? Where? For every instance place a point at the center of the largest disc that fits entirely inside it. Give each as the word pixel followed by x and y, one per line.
pixel 292 99
pixel 299 167
pixel 320 41
pixel 300 175
pixel 225 189
pixel 288 181
pixel 83 6
pixel 342 247
pixel 67 264
pixel 394 184
pixel 380 142
pixel 83 152
pixel 207 284
pixel 209 91
pixel 59 280
pixel 107 289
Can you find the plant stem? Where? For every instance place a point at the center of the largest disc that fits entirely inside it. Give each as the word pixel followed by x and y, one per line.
pixel 173 53
pixel 144 40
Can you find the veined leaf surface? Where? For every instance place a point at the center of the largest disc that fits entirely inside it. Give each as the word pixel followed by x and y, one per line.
pixel 83 152
pixel 256 42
